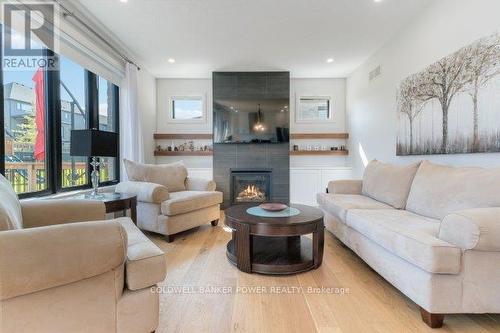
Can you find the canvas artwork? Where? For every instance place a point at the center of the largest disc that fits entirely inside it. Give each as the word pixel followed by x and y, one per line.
pixel 453 106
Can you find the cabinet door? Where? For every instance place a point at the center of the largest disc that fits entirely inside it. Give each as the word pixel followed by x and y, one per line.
pixel 334 174
pixel 304 184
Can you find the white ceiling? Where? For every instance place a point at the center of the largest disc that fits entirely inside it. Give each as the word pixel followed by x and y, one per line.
pixel 216 35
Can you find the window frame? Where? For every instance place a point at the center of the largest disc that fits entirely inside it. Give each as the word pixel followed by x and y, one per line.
pixel 116 125
pixel 171 101
pixel 53 133
pixel 2 113
pixel 298 114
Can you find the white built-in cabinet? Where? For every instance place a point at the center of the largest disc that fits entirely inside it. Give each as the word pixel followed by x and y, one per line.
pixel 305 182
pixel 204 173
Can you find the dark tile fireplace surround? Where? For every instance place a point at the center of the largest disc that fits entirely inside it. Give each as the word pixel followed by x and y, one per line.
pixel 254 172
pixel 252 164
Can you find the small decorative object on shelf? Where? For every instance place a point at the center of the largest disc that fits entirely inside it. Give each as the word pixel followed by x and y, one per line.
pixel 331 152
pixel 295 147
pixel 334 148
pixel 185 149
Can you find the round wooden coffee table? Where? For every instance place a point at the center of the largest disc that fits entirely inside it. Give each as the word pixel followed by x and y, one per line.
pixel 275 245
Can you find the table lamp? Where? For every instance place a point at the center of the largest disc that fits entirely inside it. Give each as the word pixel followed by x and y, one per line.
pixel 93 143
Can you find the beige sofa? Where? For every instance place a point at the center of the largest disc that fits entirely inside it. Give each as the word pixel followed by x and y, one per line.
pixel 168 201
pixel 60 274
pixel 432 231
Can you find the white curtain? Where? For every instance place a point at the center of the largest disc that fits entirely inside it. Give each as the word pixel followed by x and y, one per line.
pixel 131 142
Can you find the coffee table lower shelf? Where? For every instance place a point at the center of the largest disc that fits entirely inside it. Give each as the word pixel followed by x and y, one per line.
pixel 277 255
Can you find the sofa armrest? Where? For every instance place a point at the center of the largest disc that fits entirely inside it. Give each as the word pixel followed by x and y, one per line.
pixel 41 258
pixel 39 213
pixel 200 184
pixel 348 186
pixel 145 192
pixel 473 229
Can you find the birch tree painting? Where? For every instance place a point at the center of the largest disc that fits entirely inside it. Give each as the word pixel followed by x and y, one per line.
pixel 453 106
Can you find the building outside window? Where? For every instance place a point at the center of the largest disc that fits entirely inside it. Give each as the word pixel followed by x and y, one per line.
pixel 25 160
pixel 73 117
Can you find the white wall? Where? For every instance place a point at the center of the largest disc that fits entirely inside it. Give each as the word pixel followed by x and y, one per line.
pixel 146 99
pixel 335 88
pixel 165 90
pixel 444 27
pixel 168 88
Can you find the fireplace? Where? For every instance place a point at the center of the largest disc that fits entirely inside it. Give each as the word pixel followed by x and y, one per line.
pixel 250 185
pixel 258 156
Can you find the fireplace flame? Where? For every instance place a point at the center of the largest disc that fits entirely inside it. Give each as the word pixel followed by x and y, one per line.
pixel 251 193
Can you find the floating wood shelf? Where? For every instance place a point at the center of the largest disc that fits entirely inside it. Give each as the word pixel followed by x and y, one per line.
pixel 319 135
pixel 319 152
pixel 183 153
pixel 185 136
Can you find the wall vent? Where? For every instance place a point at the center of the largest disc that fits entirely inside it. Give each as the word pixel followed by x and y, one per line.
pixel 374 73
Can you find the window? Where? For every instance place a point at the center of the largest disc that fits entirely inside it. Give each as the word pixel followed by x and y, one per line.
pixel 314 109
pixel 73 116
pixel 107 108
pixel 187 109
pixel 108 121
pixel 36 104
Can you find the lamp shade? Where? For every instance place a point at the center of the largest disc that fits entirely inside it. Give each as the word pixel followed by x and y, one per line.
pixel 92 142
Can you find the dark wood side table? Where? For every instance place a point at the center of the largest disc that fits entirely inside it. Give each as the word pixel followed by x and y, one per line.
pixel 114 202
pixel 275 245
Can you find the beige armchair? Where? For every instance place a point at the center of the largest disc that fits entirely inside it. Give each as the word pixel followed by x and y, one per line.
pixel 169 201
pixel 63 268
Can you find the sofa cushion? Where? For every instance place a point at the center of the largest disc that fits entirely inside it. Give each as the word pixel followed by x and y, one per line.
pixel 173 175
pixel 10 209
pixel 338 204
pixel 146 264
pixel 473 229
pixel 439 190
pixel 188 201
pixel 409 236
pixel 389 183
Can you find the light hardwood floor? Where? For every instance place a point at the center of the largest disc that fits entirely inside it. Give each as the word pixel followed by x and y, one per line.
pixel 197 259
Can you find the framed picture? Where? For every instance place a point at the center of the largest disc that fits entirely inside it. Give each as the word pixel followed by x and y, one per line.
pixel 453 105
